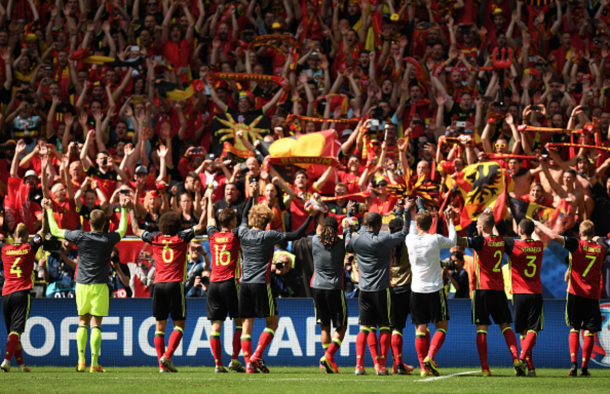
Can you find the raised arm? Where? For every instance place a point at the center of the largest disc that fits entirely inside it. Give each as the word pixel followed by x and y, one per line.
pixel 53 227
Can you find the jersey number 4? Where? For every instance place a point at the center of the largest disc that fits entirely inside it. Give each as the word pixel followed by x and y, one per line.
pixel 15 269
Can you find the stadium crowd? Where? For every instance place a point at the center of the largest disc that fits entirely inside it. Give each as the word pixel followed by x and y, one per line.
pixel 160 100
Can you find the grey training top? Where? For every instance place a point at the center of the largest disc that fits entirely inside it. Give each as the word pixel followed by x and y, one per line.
pixel 94 250
pixel 373 251
pixel 328 265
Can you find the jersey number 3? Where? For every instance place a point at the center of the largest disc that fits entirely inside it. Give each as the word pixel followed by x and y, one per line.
pixel 532 263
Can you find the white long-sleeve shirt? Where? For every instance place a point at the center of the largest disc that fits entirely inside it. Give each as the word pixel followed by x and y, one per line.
pixel 424 255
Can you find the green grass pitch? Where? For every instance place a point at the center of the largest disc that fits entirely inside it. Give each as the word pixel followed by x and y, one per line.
pixel 295 380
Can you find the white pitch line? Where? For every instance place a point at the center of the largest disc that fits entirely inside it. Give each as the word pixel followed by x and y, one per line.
pixel 446 376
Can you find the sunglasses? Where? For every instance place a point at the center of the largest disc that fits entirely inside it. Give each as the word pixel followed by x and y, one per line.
pixel 500 145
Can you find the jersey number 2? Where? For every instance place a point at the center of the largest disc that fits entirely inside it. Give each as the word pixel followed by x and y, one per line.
pixel 498 267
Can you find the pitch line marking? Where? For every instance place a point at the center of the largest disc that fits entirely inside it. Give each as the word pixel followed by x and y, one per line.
pixel 447 376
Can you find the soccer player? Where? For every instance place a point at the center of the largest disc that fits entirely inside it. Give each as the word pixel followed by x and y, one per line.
pixel 255 298
pixel 92 293
pixel 373 249
pixel 328 252
pixel 428 298
pixel 223 292
pixel 18 262
pixel 400 292
pixel 489 298
pixel 170 253
pixel 525 260
pixel 587 255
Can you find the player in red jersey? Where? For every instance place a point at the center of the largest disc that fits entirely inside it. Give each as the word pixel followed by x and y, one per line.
pixel 587 255
pixel 170 254
pixel 525 260
pixel 223 292
pixel 18 261
pixel 489 298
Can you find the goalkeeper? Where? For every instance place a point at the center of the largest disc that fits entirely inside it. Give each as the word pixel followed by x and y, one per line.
pixel 92 294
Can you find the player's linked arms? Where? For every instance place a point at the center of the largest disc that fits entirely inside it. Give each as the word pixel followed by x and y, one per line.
pixel 462 242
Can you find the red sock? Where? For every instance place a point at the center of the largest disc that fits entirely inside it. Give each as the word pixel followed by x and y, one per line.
pixel 361 346
pixel 11 345
pixel 511 342
pixel 19 354
pixel 263 341
pixel 397 344
pixel 385 336
pixel 574 343
pixel 373 346
pixel 587 347
pixel 333 348
pixel 216 348
pixel 421 347
pixel 437 342
pixel 246 347
pixel 427 340
pixel 160 344
pixel 174 341
pixel 527 345
pixel 236 343
pixel 482 348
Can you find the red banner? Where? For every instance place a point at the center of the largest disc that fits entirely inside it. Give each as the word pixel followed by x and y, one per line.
pixel 291 118
pixel 283 82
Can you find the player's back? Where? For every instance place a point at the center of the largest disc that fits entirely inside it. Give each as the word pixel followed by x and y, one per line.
pixel 488 252
pixel 94 250
pixel 18 262
pixel 586 260
pixel 525 261
pixel 328 264
pixel 258 246
pixel 225 248
pixel 170 254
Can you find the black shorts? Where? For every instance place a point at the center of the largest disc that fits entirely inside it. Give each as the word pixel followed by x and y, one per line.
pixel 168 299
pixel 374 308
pixel 490 302
pixel 330 306
pixel 16 310
pixel 429 307
pixel 583 313
pixel 223 299
pixel 528 312
pixel 400 308
pixel 256 300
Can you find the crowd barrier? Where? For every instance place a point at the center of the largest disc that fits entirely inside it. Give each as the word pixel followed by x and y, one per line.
pixel 128 331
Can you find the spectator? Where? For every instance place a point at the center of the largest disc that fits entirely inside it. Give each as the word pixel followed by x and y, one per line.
pixel 284 281
pixel 198 262
pixel 58 269
pixel 200 285
pixel 119 276
pixel 457 277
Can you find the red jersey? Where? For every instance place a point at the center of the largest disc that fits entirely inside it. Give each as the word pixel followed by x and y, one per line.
pixel 488 252
pixel 297 208
pixel 18 261
pixel 225 247
pixel 525 261
pixel 170 254
pixel 65 214
pixel 586 260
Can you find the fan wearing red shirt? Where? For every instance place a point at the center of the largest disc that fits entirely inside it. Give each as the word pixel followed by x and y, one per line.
pixel 170 254
pixel 584 275
pixel 18 261
pixel 525 261
pixel 105 173
pixel 298 215
pixel 489 298
pixel 223 292
pixel 176 49
pixel 62 199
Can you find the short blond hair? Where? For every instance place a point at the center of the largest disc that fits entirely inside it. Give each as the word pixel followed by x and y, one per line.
pixel 423 220
pixel 587 228
pixel 259 216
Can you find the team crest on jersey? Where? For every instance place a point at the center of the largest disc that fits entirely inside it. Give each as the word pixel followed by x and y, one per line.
pixel 601 348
